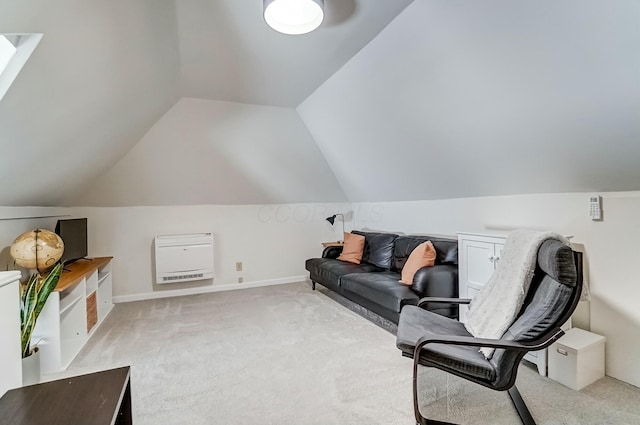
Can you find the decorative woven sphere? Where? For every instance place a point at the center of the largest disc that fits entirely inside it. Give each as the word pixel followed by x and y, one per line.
pixel 43 245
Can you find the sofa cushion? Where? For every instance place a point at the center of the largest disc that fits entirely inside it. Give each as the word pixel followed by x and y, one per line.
pixel 352 249
pixel 380 288
pixel 378 248
pixel 416 323
pixel 328 269
pixel 446 250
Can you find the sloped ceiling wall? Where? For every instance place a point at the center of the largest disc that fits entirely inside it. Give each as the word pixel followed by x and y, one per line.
pixel 104 72
pixel 214 152
pixel 472 98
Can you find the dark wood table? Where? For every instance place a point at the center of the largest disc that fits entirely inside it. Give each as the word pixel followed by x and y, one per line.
pixel 101 398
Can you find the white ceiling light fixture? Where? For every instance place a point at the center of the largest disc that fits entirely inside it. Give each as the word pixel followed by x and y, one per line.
pixel 294 16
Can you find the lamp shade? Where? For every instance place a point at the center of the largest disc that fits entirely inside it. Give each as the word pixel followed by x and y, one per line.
pixel 293 16
pixel 332 220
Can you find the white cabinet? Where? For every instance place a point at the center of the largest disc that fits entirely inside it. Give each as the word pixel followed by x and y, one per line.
pixel 73 312
pixel 10 356
pixel 478 256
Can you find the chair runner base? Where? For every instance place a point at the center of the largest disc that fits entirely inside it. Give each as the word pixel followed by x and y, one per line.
pixel 521 407
pixel 518 403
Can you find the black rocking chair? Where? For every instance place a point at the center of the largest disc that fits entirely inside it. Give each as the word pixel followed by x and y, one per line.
pixel 435 341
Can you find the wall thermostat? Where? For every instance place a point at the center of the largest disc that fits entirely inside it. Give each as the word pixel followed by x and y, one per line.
pixel 595 207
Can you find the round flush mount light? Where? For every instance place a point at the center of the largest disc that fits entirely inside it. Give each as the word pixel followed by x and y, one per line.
pixel 294 16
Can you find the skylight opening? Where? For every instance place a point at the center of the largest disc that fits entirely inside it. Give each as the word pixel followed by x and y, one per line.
pixel 7 51
pixel 15 50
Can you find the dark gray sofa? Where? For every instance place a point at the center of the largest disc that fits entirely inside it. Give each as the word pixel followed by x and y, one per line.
pixel 374 283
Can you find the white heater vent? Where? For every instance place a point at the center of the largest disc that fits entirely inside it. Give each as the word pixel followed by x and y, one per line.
pixel 180 277
pixel 182 258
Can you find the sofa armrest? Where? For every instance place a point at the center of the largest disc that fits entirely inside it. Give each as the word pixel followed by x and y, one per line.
pixel 332 252
pixel 437 281
pixel 440 281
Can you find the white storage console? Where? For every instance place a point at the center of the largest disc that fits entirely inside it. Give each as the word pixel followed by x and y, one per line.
pixel 10 363
pixel 478 256
pixel 81 301
pixel 577 359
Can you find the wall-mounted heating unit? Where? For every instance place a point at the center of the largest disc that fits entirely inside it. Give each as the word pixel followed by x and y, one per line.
pixel 181 258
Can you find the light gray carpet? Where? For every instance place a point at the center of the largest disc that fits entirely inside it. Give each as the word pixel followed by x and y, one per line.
pixel 289 355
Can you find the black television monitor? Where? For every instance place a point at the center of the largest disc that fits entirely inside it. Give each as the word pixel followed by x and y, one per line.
pixel 74 235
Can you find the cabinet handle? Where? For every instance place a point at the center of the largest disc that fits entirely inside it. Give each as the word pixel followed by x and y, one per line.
pixel 492 258
pixel 562 351
pixel 496 258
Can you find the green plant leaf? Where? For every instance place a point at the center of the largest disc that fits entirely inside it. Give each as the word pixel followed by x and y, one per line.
pixel 27 313
pixel 33 298
pixel 46 288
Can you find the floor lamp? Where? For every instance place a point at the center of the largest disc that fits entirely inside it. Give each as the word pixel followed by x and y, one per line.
pixel 332 220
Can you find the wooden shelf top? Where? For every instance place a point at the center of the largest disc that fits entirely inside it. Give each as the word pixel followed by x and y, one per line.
pixel 78 270
pixel 336 243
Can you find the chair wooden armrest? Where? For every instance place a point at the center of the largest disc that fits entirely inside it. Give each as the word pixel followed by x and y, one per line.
pixel 427 300
pixel 486 342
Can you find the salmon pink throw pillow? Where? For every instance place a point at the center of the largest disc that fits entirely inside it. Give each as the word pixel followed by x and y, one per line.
pixel 353 248
pixel 424 255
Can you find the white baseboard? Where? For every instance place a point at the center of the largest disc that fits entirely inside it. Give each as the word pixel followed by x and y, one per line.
pixel 206 289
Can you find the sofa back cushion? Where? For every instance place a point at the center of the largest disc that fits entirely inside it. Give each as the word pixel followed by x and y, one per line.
pixel 378 248
pixel 446 250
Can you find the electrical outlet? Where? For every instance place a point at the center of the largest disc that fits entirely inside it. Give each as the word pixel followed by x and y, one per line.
pixel 240 280
pixel 239 266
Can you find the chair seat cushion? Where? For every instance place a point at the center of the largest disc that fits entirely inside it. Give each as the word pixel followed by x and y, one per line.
pixel 381 288
pixel 416 322
pixel 328 269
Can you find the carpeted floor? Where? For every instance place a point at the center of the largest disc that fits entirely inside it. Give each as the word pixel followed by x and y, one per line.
pixel 289 355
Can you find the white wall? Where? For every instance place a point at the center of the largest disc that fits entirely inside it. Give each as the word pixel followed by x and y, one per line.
pixel 611 250
pixel 210 152
pixel 470 98
pixel 272 241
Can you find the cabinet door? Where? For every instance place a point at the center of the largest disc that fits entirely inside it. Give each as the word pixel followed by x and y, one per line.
pixel 497 253
pixel 478 264
pixel 105 300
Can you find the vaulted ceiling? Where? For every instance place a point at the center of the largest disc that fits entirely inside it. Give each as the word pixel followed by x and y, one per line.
pixel 387 100
pixel 107 70
pixel 228 53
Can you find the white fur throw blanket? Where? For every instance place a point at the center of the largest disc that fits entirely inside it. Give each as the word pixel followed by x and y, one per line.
pixel 498 303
